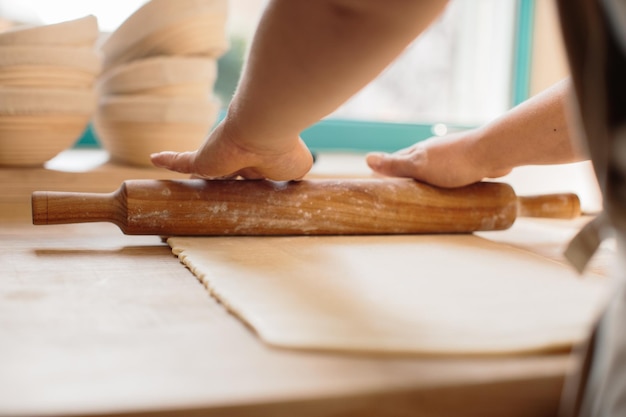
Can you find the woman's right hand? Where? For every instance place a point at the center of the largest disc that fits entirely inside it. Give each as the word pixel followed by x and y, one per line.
pixel 223 155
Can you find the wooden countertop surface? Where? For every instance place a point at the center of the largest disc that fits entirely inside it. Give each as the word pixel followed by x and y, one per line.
pixel 93 322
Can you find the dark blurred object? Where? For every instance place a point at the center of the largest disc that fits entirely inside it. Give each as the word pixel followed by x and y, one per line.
pixel 595 37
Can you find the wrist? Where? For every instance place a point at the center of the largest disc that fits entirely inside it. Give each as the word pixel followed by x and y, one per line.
pixel 486 154
pixel 255 139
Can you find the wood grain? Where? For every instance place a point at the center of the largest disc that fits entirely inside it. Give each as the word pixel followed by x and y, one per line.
pixel 312 207
pixel 554 206
pixel 94 322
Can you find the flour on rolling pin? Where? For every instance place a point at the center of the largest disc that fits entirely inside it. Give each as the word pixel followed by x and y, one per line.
pixel 310 207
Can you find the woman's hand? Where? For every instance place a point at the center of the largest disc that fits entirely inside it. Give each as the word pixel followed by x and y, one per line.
pixel 448 161
pixel 223 155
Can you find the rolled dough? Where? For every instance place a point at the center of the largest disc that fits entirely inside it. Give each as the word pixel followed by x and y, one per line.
pixel 433 294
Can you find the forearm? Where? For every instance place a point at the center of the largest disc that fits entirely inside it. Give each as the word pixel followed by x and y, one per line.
pixel 534 133
pixel 308 57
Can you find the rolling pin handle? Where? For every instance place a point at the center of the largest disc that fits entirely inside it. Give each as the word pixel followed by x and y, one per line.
pixel 50 207
pixel 552 206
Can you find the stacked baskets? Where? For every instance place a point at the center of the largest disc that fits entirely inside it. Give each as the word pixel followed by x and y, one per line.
pixel 156 91
pixel 47 96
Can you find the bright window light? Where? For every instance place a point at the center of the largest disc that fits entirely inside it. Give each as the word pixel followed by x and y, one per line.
pixel 458 72
pixel 110 13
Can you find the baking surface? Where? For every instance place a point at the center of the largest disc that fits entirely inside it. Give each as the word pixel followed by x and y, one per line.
pixel 93 321
pixel 96 322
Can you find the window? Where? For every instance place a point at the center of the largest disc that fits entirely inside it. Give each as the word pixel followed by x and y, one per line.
pixel 466 69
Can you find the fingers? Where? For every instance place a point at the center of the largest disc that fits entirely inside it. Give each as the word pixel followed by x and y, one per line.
pixel 393 165
pixel 184 162
pixel 175 161
pixel 218 159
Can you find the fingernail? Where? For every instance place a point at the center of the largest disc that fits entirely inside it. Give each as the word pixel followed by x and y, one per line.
pixel 375 159
pixel 154 158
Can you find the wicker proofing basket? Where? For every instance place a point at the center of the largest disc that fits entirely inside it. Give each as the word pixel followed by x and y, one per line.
pixel 165 75
pixel 81 32
pixel 31 140
pixel 131 128
pixel 49 67
pixel 35 125
pixel 165 27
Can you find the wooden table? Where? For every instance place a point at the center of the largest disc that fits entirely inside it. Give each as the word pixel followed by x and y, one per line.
pixel 93 322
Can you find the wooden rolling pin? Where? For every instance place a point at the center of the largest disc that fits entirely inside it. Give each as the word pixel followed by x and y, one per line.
pixel 311 207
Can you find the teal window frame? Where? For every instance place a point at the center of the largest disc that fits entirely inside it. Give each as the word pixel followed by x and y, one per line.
pixel 365 136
